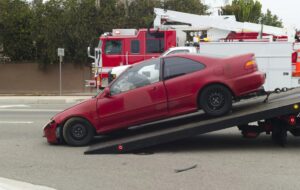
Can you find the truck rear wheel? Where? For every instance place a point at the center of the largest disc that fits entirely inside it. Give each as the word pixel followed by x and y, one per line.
pixel 279 132
pixel 78 132
pixel 215 100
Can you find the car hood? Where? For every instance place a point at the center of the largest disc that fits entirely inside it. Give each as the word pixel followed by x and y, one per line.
pixel 85 109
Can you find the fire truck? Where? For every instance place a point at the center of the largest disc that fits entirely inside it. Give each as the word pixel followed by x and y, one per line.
pixel 125 47
pixel 276 55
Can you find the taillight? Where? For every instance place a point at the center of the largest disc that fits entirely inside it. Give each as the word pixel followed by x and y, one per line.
pixel 294 57
pixel 292 120
pixel 250 65
pixel 120 147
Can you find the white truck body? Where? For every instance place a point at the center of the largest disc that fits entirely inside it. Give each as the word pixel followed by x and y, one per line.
pixel 273 58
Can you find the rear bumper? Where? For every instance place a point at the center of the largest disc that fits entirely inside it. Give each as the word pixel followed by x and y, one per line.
pixel 249 83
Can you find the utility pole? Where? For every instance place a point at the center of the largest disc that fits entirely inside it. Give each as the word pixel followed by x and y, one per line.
pixel 260 20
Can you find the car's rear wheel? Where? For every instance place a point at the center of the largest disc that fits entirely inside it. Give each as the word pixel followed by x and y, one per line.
pixel 215 100
pixel 78 132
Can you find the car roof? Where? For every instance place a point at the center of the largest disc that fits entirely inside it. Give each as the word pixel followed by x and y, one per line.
pixel 198 57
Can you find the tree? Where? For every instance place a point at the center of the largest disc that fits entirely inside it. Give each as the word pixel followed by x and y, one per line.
pixel 244 10
pixel 50 30
pixel 250 11
pixel 79 28
pixel 187 6
pixel 272 20
pixel 15 29
pixel 34 31
pixel 141 13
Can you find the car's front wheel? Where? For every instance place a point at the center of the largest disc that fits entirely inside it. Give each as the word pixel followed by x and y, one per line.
pixel 215 100
pixel 78 132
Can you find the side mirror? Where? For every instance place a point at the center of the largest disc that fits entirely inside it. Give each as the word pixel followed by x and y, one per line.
pixel 89 53
pixel 106 92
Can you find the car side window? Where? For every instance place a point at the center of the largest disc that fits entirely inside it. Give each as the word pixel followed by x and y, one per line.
pixel 177 66
pixel 138 75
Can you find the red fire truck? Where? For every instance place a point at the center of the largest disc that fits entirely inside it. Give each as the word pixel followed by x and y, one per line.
pixel 127 46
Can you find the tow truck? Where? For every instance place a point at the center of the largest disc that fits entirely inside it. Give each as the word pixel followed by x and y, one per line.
pixel 275 117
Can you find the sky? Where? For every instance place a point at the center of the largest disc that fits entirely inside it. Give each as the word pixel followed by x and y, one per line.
pixel 287 10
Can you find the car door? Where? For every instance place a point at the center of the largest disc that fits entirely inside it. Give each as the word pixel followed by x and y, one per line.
pixel 136 97
pixel 182 78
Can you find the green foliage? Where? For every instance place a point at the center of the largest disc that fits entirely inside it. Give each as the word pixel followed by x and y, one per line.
pixel 34 31
pixel 272 20
pixel 15 29
pixel 140 13
pixel 250 11
pixel 244 10
pixel 187 6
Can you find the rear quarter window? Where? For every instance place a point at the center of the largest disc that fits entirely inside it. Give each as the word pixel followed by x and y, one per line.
pixel 177 66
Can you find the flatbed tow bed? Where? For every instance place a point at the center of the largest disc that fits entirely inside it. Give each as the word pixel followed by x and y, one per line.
pixel 243 113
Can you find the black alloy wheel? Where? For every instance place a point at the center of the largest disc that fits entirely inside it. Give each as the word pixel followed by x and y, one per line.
pixel 215 100
pixel 78 132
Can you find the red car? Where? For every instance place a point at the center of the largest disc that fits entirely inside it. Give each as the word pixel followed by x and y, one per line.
pixel 156 89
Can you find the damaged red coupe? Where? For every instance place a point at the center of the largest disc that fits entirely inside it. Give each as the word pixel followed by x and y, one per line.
pixel 157 89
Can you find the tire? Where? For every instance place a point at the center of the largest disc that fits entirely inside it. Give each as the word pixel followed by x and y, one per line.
pixel 279 133
pixel 78 132
pixel 215 100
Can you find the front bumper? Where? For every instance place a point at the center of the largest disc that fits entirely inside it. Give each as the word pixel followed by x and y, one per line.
pixel 52 132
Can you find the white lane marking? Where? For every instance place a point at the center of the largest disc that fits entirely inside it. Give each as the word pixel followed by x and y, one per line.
pixel 14 106
pixel 29 110
pixel 9 184
pixel 16 122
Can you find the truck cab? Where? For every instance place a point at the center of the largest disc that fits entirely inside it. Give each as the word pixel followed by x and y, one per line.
pixel 128 46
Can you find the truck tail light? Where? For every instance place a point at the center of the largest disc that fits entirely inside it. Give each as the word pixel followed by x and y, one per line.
pixel 294 57
pixel 292 120
pixel 120 147
pixel 296 64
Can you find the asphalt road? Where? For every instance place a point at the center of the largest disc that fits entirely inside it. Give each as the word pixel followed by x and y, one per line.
pixel 224 159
